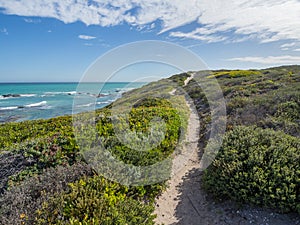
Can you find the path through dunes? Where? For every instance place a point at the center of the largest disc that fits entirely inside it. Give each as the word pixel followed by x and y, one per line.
pixel 185 201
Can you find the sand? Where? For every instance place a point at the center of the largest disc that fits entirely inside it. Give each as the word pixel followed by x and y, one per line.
pixel 185 201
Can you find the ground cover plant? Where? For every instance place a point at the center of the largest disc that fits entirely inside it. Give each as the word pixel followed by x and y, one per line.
pixel 43 169
pixel 258 162
pixel 46 152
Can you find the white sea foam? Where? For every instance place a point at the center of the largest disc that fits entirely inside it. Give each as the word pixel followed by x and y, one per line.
pixel 86 105
pixel 59 93
pixel 27 95
pixel 36 104
pixel 123 90
pixel 105 102
pixel 8 108
pixel 71 92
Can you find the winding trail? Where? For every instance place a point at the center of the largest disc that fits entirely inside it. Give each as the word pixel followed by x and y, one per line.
pixel 187 161
pixel 187 80
pixel 185 201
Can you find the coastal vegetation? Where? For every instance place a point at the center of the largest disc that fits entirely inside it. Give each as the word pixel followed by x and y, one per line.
pixel 258 162
pixel 45 177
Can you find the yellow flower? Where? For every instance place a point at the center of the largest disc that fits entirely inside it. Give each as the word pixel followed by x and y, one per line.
pixel 82 182
pixel 22 216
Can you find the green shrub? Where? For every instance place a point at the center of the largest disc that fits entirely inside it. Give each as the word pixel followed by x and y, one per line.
pixel 254 165
pixel 50 144
pixel 20 202
pixel 51 151
pixel 180 78
pixel 12 133
pixel 234 73
pixel 95 201
pixel 289 110
pixel 258 166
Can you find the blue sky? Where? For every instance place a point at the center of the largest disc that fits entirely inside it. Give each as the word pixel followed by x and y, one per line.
pixel 50 40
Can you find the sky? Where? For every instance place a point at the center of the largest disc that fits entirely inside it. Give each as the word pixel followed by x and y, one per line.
pixel 56 41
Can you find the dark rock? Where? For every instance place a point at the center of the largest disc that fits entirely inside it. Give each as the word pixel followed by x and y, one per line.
pixel 101 95
pixel 11 96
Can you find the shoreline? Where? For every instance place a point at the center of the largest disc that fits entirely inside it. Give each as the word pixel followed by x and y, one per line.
pixel 34 101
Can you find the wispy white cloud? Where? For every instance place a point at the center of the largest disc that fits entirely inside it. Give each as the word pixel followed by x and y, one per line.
pixel 297 50
pixel 35 21
pixel 199 36
pixel 86 37
pixel 215 20
pixel 4 31
pixel 288 45
pixel 266 20
pixel 285 59
pixel 145 28
pixel 292 46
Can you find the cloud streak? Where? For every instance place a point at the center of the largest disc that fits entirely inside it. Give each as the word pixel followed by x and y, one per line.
pixel 288 45
pixel 35 21
pixel 285 59
pixel 266 21
pixel 86 37
pixel 4 31
pixel 214 20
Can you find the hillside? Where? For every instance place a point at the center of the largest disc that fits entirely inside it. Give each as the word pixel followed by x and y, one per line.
pixel 45 178
pixel 255 177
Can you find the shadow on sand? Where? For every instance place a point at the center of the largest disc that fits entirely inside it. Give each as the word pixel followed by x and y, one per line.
pixel 196 207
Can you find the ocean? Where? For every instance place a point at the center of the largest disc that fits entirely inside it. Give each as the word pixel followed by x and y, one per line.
pixel 30 101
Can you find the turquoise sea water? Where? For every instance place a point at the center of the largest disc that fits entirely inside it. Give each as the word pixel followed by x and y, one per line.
pixel 28 101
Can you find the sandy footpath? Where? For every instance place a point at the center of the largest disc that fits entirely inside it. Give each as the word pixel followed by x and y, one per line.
pixel 186 203
pixel 187 161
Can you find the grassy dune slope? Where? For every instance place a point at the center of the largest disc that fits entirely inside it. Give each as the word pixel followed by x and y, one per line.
pixel 258 162
pixel 45 180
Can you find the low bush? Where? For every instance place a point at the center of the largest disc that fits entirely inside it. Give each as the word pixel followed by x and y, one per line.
pixel 11 133
pixel 95 201
pixel 51 145
pixel 19 204
pixel 51 151
pixel 234 73
pixel 258 166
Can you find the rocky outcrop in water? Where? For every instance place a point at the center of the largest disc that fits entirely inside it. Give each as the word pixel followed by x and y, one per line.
pixel 11 96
